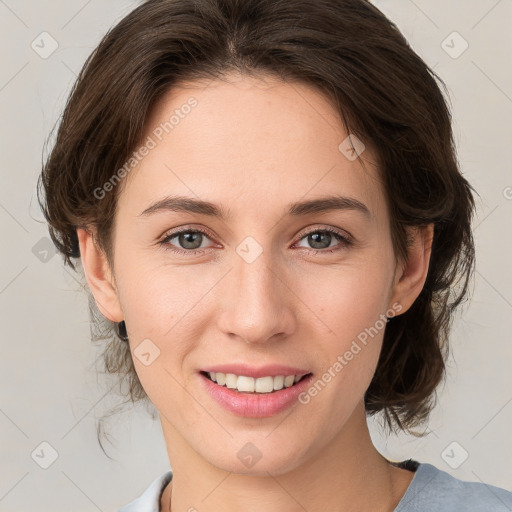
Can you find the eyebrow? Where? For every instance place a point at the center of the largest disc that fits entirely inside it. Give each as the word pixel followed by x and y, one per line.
pixel 297 209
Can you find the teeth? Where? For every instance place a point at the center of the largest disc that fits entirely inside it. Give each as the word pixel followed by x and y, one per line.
pixel 264 384
pixel 278 382
pixel 288 381
pixel 231 380
pixel 246 384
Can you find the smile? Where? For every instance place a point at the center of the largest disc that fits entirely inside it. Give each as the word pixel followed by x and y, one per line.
pixel 254 397
pixel 245 384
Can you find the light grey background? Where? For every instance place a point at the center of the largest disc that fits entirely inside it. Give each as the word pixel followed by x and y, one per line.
pixel 50 391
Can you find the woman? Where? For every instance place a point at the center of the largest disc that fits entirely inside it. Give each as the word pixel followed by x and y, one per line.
pixel 264 197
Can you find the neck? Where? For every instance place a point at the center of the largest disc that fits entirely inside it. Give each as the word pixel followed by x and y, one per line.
pixel 347 474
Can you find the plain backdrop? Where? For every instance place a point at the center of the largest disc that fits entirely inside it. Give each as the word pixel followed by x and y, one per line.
pixel 50 394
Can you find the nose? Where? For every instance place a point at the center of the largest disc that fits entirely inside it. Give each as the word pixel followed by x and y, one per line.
pixel 257 303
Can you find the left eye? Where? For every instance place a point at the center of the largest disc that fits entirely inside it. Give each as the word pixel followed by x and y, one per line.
pixel 321 239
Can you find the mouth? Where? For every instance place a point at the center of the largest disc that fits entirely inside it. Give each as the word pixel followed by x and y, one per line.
pixel 259 395
pixel 244 384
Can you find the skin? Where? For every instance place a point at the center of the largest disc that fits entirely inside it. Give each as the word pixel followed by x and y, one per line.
pixel 254 145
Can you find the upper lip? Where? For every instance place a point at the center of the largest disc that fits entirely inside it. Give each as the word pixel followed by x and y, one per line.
pixel 270 370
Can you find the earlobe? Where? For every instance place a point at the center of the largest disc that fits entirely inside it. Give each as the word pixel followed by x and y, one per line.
pixel 411 275
pixel 99 276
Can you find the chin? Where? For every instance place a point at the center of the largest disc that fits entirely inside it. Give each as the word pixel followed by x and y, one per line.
pixel 256 458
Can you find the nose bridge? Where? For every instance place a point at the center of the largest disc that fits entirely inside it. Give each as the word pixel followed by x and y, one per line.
pixel 255 309
pixel 256 280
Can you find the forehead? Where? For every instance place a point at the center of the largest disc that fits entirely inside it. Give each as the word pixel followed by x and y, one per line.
pixel 239 139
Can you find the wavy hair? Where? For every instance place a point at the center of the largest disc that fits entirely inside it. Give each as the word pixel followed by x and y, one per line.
pixel 384 93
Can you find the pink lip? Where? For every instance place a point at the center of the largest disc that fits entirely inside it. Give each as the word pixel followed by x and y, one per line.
pixel 253 405
pixel 263 371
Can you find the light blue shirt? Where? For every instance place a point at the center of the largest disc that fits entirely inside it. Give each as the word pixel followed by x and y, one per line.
pixel 430 490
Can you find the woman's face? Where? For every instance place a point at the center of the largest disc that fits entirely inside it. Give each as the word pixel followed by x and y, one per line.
pixel 266 285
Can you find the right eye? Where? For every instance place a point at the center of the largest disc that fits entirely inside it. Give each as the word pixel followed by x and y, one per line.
pixel 190 241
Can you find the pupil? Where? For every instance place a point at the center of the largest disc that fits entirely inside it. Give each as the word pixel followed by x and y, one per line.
pixel 313 240
pixel 187 240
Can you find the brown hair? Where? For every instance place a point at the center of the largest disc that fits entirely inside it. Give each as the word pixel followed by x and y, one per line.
pixel 384 93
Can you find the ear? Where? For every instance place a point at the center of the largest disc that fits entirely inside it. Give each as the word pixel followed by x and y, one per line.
pixel 99 276
pixel 410 275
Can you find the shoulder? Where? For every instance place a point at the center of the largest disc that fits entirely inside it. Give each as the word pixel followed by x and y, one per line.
pixel 149 500
pixel 434 489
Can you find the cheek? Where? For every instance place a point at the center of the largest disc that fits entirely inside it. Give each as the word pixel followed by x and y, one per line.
pixel 349 306
pixel 164 309
pixel 159 301
pixel 345 300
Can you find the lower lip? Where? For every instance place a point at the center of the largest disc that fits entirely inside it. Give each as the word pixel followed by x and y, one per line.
pixel 253 405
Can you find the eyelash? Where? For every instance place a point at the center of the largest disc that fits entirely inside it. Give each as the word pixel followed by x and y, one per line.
pixel 345 241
